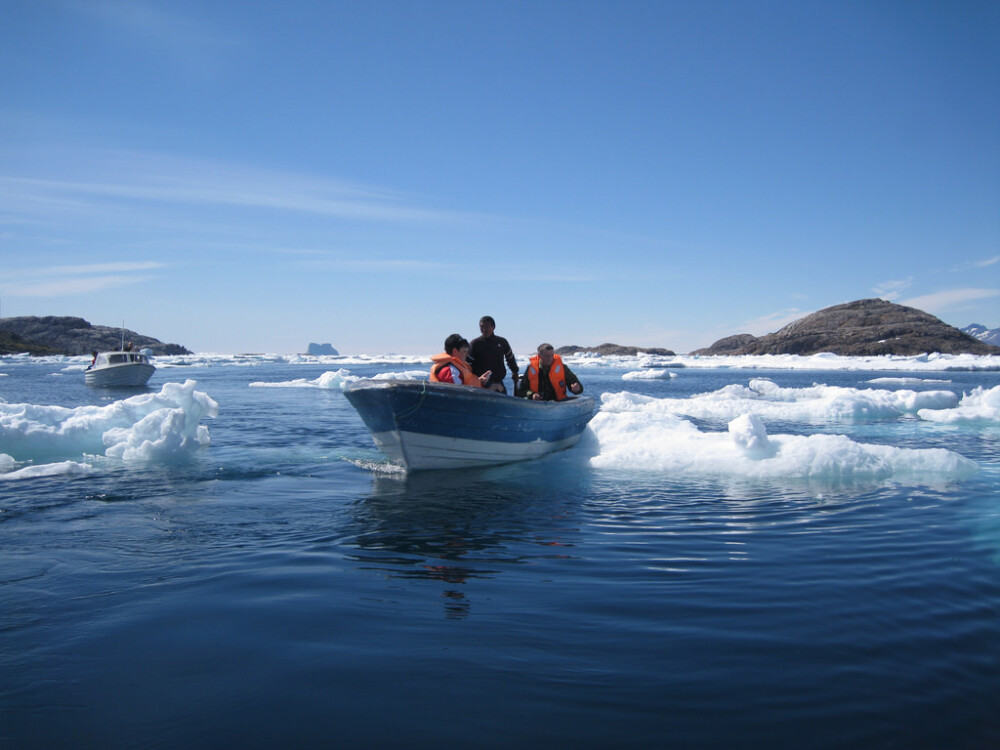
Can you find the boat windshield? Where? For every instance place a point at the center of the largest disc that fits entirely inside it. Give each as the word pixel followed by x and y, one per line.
pixel 122 358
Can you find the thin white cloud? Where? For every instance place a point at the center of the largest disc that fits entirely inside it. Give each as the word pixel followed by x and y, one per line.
pixel 890 290
pixel 83 270
pixel 772 322
pixel 63 287
pixel 949 299
pixel 444 268
pixel 388 265
pixel 975 264
pixel 113 179
pixel 94 268
pixel 55 281
pixel 189 43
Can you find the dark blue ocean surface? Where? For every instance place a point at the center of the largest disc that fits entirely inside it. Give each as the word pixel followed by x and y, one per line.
pixel 281 586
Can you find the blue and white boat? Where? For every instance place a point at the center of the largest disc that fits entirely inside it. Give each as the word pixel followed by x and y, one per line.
pixel 424 425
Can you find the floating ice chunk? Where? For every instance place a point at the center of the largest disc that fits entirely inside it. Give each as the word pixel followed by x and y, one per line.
pixel 980 405
pixel 328 380
pixel 407 375
pixel 333 379
pixel 650 374
pixel 62 468
pixel 905 381
pixel 646 439
pixel 750 435
pixel 624 401
pixel 151 426
pixel 819 403
pixel 162 435
pixel 339 378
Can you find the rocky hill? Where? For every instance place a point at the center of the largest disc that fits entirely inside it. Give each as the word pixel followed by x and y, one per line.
pixel 71 336
pixel 866 327
pixel 11 343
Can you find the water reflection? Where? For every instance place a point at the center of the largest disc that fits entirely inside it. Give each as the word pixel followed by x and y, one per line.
pixel 457 527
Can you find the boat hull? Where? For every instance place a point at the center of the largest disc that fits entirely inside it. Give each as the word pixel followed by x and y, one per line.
pixel 133 374
pixel 423 425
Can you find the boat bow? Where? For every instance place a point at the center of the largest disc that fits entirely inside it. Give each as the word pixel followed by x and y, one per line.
pixel 423 425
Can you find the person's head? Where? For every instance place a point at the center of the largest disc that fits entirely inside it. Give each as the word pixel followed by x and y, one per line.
pixel 454 345
pixel 546 354
pixel 487 325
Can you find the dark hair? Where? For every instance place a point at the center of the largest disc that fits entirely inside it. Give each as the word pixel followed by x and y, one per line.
pixel 545 348
pixel 488 319
pixel 455 341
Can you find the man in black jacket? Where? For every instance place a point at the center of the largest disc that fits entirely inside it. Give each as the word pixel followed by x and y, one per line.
pixel 488 352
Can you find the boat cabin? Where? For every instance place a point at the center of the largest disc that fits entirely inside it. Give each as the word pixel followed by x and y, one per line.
pixel 108 359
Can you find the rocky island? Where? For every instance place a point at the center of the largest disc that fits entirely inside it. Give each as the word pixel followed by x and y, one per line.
pixel 613 350
pixel 71 336
pixel 322 350
pixel 867 327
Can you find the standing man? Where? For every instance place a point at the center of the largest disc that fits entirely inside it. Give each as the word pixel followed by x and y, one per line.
pixel 488 352
pixel 547 378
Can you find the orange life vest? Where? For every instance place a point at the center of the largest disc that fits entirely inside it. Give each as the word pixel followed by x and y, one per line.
pixel 557 376
pixel 443 360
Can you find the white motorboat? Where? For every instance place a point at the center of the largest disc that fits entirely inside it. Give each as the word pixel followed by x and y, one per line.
pixel 119 370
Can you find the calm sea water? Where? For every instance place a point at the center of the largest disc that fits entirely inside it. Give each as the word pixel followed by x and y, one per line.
pixel 279 588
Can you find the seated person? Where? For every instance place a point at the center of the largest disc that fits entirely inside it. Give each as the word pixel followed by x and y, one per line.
pixel 451 367
pixel 547 378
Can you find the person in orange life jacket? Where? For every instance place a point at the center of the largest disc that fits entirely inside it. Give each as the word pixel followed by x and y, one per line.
pixel 450 366
pixel 488 352
pixel 547 378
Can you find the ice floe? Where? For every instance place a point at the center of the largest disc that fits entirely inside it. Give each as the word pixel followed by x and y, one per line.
pixel 653 373
pixel 39 440
pixel 815 404
pixel 338 379
pixel 979 406
pixel 650 440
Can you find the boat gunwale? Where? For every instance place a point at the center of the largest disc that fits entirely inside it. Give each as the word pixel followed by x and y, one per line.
pixel 468 392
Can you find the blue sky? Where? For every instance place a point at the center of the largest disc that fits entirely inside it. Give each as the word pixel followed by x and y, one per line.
pixel 254 176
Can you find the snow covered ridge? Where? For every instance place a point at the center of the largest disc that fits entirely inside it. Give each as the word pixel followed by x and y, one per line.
pixel 152 427
pixel 819 362
pixel 984 334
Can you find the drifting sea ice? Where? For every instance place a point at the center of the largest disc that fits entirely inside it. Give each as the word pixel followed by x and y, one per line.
pixel 979 406
pixel 639 432
pixel 650 374
pixel 338 379
pixel 820 403
pixel 151 427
